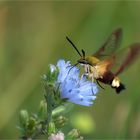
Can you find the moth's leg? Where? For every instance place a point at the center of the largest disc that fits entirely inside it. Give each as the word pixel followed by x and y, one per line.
pixel 84 74
pixel 99 84
pixel 92 80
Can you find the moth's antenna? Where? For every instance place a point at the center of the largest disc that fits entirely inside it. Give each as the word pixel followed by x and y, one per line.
pixel 73 46
pixel 83 52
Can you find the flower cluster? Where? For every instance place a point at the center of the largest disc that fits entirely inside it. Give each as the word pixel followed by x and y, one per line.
pixel 73 88
pixel 62 83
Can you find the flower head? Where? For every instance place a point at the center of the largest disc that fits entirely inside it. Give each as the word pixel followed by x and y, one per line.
pixel 74 89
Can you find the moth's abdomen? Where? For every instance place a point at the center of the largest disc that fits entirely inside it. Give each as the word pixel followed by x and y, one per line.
pixel 110 79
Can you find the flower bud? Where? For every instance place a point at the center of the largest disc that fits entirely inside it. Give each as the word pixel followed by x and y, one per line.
pixel 24 118
pixel 42 113
pixel 60 121
pixel 51 128
pixel 32 123
pixel 52 68
pixel 74 133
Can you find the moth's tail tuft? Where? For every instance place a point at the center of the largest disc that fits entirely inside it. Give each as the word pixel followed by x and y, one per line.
pixel 115 83
pixel 120 88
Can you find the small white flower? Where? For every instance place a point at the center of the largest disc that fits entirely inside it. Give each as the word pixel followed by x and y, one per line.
pixel 58 136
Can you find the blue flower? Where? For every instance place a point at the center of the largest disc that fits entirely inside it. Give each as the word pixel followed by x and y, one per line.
pixel 74 89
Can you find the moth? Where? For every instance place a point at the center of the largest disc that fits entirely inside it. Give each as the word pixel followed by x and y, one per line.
pixel 108 62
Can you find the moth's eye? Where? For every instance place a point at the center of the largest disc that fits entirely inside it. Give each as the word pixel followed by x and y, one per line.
pixel 84 62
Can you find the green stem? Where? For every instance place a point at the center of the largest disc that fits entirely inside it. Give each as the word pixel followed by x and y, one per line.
pixel 50 103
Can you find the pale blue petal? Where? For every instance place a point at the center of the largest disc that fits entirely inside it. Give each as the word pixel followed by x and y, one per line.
pixel 80 102
pixel 63 68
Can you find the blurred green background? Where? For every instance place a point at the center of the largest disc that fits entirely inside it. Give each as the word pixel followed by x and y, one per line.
pixel 32 35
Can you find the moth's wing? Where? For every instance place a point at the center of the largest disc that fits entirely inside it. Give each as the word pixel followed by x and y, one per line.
pixel 127 57
pixel 118 62
pixel 111 45
pixel 105 65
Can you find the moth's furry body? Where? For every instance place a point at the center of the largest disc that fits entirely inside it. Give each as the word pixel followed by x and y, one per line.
pixel 95 71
